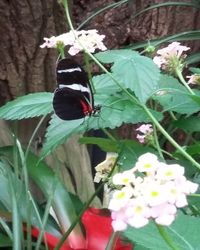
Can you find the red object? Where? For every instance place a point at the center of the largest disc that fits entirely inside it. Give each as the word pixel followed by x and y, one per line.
pixel 98 229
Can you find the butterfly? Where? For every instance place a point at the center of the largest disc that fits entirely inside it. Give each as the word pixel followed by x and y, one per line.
pixel 73 97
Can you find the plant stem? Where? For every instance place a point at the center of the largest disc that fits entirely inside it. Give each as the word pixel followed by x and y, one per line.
pixel 170 139
pixel 33 135
pixel 180 76
pixel 86 59
pixel 156 142
pixel 166 237
pixel 86 205
pixel 112 242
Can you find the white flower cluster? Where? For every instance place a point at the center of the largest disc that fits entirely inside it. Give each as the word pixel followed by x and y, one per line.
pixel 87 39
pixel 171 56
pixel 151 190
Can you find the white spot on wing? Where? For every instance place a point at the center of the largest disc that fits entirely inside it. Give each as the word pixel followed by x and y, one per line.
pixel 75 86
pixel 69 70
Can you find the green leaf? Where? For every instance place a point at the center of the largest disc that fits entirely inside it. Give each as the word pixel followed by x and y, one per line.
pixel 129 150
pixel 106 145
pixel 193 58
pixel 111 56
pixel 50 185
pixel 18 186
pixel 58 132
pixel 104 84
pixel 135 72
pixel 175 97
pixel 195 70
pixel 5 241
pixel 190 124
pixel 195 98
pixel 183 232
pixel 27 106
pixel 191 35
pixel 193 149
pixel 113 113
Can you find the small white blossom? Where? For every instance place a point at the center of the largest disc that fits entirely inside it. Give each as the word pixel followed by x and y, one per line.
pixel 147 163
pixel 194 79
pixel 155 193
pixel 165 219
pixel 125 178
pixel 145 131
pixel 171 57
pixel 169 172
pixel 77 40
pixel 120 198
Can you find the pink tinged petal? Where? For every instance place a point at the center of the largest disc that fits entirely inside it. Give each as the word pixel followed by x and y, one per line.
pixel 169 172
pixel 162 209
pixel 165 219
pixel 137 221
pixel 119 215
pixel 137 207
pixel 119 225
pixel 155 194
pixel 145 128
pixel 158 61
pixel 191 187
pixel 181 201
pixel 73 51
pixel 141 138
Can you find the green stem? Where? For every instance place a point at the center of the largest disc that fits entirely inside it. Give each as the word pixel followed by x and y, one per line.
pixel 157 145
pixel 166 237
pixel 180 76
pixel 33 135
pixel 93 58
pixel 112 241
pixel 170 139
pixel 110 136
pixel 87 63
pixel 86 205
pixel 61 52
pixel 173 116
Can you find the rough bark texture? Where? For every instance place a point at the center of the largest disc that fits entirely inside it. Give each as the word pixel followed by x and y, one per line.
pixel 26 68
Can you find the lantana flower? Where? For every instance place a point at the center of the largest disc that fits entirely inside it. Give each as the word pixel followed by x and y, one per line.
pixel 151 190
pixel 171 57
pixel 144 133
pixel 194 79
pixel 77 41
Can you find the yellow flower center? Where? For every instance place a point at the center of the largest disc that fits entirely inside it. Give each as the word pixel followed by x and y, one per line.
pixel 121 195
pixel 147 165
pixel 154 193
pixel 125 180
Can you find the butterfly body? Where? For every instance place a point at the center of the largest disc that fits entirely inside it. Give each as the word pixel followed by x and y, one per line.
pixel 73 98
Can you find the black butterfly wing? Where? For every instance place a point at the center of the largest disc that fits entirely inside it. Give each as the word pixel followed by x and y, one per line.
pixel 73 97
pixel 68 105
